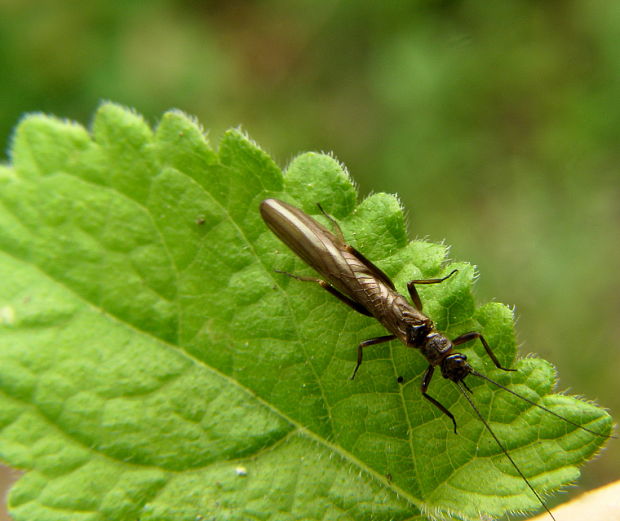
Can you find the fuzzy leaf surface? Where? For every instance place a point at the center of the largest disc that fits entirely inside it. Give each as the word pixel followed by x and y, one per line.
pixel 154 366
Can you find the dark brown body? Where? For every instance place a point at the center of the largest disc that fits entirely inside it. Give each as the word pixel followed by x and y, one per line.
pixel 351 274
pixel 357 282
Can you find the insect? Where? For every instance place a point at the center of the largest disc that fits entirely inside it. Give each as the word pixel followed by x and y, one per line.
pixel 356 281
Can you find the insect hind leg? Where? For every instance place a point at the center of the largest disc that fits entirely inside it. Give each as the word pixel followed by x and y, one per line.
pixel 333 222
pixel 325 285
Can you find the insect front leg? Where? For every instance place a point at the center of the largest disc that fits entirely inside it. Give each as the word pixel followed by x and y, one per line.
pixel 413 292
pixel 366 343
pixel 343 298
pixel 473 335
pixel 426 380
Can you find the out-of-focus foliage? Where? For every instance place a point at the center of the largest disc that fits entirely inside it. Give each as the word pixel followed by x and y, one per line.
pixel 514 105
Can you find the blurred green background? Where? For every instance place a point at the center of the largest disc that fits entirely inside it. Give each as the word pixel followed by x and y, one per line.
pixel 497 123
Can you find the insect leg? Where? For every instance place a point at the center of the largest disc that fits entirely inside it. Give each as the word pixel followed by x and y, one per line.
pixel 334 223
pixel 366 343
pixel 413 293
pixel 426 380
pixel 343 298
pixel 472 336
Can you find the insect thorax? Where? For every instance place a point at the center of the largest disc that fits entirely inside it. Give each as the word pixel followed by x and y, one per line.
pixel 435 347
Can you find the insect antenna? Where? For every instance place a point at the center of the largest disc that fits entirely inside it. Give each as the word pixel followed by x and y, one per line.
pixel 499 443
pixel 531 402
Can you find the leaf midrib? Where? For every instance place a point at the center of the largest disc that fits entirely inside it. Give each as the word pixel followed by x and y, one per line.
pixel 298 428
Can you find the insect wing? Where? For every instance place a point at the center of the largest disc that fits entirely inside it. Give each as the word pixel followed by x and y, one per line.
pixel 311 241
pixel 318 247
pixel 372 269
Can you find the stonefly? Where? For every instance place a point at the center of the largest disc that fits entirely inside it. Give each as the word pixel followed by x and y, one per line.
pixel 356 281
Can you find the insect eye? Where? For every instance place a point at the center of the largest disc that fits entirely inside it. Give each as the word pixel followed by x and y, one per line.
pixel 455 367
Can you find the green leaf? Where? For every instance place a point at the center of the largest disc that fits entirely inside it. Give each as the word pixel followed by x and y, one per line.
pixel 154 366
